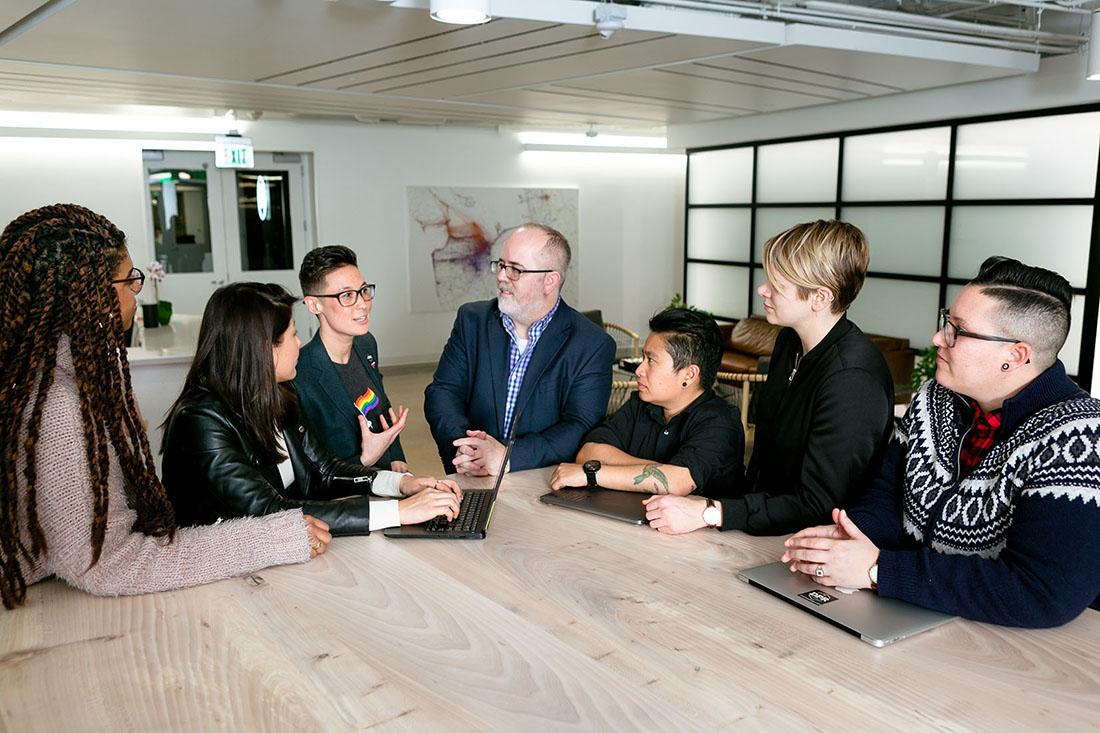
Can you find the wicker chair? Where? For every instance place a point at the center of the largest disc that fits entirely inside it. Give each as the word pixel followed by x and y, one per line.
pixel 623 334
pixel 620 393
pixel 739 396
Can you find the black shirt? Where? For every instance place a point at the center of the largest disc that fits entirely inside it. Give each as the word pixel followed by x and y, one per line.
pixel 706 438
pixel 818 431
pixel 358 384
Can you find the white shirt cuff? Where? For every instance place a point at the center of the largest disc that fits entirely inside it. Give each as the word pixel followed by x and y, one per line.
pixel 388 484
pixel 384 514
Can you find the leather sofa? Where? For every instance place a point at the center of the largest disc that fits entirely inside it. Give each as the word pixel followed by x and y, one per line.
pixel 749 341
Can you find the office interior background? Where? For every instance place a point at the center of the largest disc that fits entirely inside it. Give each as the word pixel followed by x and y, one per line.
pixel 947 130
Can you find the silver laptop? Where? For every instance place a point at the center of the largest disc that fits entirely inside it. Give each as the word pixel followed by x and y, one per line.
pixel 878 621
pixel 626 506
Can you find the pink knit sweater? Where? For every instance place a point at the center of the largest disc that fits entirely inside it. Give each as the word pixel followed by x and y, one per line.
pixel 131 562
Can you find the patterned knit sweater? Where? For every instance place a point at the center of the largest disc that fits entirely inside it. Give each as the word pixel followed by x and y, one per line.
pixel 1017 542
pixel 131 562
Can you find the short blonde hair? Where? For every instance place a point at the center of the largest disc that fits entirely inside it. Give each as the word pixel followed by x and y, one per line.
pixel 821 254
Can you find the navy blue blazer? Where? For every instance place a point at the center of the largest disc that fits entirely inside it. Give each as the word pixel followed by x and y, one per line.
pixel 563 396
pixel 331 412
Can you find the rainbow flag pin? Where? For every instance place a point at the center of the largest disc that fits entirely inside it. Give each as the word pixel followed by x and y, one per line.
pixel 366 401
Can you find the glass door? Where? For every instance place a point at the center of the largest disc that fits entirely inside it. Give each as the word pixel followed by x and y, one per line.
pixel 185 207
pixel 266 225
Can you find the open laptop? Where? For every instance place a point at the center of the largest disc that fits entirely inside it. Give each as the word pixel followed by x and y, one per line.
pixel 878 621
pixel 474 514
pixel 626 506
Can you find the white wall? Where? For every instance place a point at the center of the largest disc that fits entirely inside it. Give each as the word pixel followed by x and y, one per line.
pixel 1060 82
pixel 630 247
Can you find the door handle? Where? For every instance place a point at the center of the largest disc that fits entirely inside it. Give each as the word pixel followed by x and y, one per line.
pixel 217 282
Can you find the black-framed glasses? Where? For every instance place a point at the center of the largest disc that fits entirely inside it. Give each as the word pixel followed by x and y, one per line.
pixel 951 332
pixel 511 271
pixel 348 298
pixel 135 280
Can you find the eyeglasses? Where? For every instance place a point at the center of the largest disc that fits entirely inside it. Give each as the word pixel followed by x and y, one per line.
pixel 951 332
pixel 348 298
pixel 135 280
pixel 511 271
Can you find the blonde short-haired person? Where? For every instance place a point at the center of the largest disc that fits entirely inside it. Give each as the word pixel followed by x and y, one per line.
pixel 987 502
pixel 826 409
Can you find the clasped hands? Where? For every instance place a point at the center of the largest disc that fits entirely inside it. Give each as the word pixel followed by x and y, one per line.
pixel 478 454
pixel 832 554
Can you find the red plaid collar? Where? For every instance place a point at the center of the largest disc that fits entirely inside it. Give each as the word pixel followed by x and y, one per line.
pixel 980 439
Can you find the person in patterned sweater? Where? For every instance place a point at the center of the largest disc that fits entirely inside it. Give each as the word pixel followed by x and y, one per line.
pixel 987 503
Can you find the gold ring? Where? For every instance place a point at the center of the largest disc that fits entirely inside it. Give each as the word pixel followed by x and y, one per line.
pixel 820 572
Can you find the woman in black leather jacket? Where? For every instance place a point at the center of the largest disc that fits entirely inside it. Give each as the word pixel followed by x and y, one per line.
pixel 236 443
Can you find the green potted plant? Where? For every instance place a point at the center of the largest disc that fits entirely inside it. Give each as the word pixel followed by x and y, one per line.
pixel 925 368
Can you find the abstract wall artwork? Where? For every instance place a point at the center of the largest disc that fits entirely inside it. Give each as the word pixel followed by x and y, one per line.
pixel 455 232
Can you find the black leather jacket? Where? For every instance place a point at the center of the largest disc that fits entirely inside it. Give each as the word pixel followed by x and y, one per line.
pixel 212 472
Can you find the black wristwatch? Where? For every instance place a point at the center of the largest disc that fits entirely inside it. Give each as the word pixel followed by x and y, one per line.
pixel 590 469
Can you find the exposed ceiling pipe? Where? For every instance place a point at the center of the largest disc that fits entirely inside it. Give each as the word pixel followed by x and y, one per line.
pixel 937 23
pixel 33 18
pixel 830 18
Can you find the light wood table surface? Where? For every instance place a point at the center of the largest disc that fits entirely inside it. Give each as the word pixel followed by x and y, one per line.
pixel 559 620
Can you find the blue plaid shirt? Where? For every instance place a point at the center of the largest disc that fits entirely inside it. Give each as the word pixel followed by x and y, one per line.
pixel 518 361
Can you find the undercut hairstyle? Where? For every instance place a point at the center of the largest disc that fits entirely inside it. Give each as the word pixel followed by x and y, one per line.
pixel 241 324
pixel 318 263
pixel 691 338
pixel 821 254
pixel 1034 304
pixel 556 249
pixel 56 267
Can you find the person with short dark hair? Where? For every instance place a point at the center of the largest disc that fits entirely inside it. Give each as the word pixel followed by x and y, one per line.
pixel 826 410
pixel 674 435
pixel 987 503
pixel 339 383
pixel 237 444
pixel 523 364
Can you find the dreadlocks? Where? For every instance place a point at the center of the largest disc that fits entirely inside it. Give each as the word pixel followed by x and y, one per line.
pixel 56 264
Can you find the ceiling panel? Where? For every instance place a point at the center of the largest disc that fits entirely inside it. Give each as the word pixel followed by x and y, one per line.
pixel 904 73
pixel 582 104
pixel 227 39
pixel 592 57
pixel 12 11
pixel 518 47
pixel 494 35
pixel 674 83
pixel 766 72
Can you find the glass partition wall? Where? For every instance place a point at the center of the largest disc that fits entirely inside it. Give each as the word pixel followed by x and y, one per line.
pixel 934 201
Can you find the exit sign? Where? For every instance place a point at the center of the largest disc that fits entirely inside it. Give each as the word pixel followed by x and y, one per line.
pixel 231 151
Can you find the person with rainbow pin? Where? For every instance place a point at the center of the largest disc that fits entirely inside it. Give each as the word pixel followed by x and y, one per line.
pixel 339 384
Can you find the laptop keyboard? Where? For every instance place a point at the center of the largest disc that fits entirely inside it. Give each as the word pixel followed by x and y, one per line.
pixel 472 512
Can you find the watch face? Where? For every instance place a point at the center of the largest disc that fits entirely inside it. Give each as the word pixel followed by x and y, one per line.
pixel 591 466
pixel 710 516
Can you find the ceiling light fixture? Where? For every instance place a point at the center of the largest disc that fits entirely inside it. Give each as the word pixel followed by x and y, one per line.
pixel 609 19
pixel 1093 73
pixel 460 12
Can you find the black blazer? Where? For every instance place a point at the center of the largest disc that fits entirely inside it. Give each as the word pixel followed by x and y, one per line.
pixel 563 395
pixel 212 472
pixel 327 405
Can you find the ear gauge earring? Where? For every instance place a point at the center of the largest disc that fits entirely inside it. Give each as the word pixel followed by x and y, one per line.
pixel 685 384
pixel 1004 367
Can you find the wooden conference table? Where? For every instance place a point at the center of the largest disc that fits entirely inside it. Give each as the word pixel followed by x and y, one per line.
pixel 559 620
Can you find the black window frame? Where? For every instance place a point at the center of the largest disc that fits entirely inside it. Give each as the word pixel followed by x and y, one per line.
pixel 1091 291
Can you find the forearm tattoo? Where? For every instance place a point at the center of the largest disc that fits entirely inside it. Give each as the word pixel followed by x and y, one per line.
pixel 660 481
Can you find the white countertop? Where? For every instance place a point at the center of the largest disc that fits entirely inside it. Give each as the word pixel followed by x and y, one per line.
pixel 171 344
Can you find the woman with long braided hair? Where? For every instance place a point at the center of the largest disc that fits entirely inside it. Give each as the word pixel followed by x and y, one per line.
pixel 79 496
